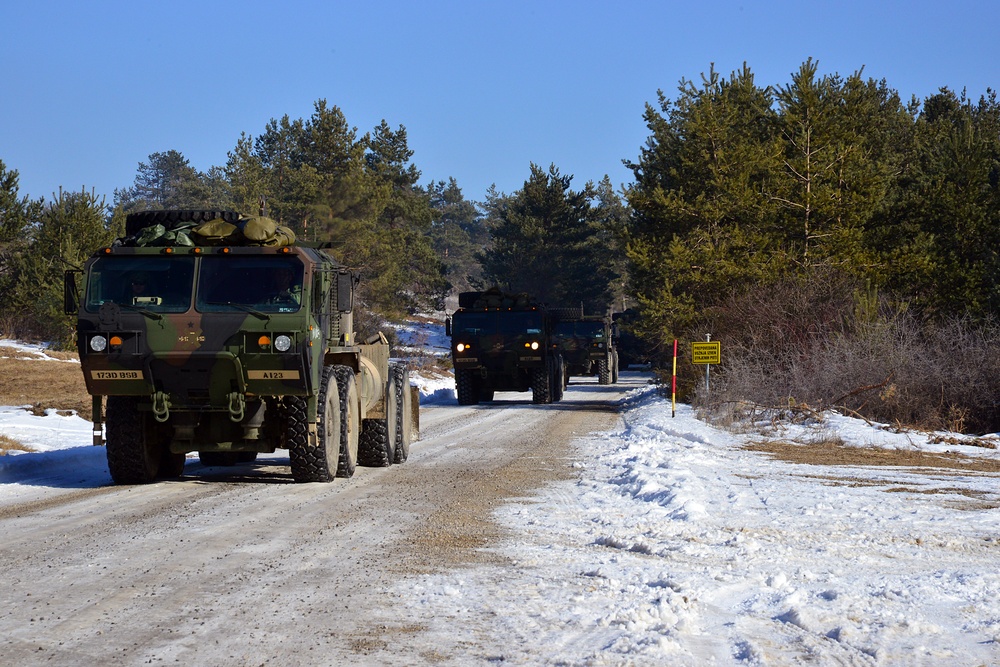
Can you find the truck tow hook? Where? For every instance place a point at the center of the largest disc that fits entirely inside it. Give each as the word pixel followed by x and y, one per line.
pixel 161 406
pixel 237 406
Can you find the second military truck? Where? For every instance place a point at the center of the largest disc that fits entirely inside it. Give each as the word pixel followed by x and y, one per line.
pixel 217 333
pixel 503 342
pixel 588 345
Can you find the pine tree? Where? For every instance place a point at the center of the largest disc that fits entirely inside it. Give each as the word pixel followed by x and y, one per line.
pixel 941 236
pixel 700 219
pixel 246 177
pixel 401 266
pixel 837 167
pixel 457 234
pixel 68 230
pixel 545 241
pixel 168 181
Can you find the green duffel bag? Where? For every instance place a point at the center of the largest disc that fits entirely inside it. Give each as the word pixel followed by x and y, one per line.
pixel 148 236
pixel 214 232
pixel 158 235
pixel 282 236
pixel 258 230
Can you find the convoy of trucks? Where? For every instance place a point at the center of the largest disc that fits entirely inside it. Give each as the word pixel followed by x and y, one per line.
pixel 508 342
pixel 222 334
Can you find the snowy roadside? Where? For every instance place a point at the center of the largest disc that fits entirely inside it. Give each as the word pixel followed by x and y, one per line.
pixel 679 546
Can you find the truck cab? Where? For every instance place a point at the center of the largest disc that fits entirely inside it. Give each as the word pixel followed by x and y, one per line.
pixel 501 342
pixel 231 348
pixel 588 345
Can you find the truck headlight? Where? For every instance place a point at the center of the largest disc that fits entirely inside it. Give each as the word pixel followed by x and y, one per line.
pixel 98 343
pixel 461 347
pixel 282 343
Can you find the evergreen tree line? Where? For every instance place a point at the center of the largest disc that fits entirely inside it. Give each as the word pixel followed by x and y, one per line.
pixel 741 185
pixel 833 236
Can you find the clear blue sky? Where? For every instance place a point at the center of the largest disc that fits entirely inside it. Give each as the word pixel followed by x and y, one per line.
pixel 91 89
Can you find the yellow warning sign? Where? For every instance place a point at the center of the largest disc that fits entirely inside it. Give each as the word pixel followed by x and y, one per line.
pixel 706 353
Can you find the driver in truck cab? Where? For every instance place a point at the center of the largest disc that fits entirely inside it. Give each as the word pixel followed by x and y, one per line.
pixel 283 288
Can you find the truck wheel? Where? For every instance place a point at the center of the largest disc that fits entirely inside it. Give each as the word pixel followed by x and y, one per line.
pixel 541 384
pixel 558 379
pixel 134 452
pixel 309 462
pixel 400 375
pixel 377 447
pixel 603 372
pixel 350 420
pixel 171 464
pixel 467 387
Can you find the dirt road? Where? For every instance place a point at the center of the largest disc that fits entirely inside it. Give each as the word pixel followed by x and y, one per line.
pixel 241 566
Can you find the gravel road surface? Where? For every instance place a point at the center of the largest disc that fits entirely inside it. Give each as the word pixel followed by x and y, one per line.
pixel 241 566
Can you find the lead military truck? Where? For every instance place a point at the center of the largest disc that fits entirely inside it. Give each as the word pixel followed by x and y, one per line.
pixel 502 342
pixel 217 333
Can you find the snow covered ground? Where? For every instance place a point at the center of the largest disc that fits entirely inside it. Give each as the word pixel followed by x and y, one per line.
pixel 679 545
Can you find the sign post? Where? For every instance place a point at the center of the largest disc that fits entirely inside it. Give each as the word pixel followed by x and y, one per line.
pixel 707 353
pixel 673 392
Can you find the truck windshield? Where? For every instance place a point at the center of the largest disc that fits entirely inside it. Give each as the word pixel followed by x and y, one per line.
pixel 156 284
pixel 267 284
pixel 498 322
pixel 581 329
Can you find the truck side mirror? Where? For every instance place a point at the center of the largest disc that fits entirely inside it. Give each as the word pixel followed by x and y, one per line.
pixel 71 300
pixel 447 326
pixel 345 291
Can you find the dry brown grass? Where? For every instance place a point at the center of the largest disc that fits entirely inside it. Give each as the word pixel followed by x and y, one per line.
pixel 43 384
pixel 833 454
pixel 931 466
pixel 9 444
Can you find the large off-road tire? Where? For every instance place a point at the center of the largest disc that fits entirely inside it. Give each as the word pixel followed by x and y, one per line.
pixel 603 372
pixel 350 421
pixel 558 379
pixel 377 446
pixel 171 464
pixel 135 222
pixel 467 386
pixel 315 462
pixel 541 384
pixel 134 452
pixel 400 375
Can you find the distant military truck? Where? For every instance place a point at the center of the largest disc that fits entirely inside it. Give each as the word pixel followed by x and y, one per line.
pixel 502 342
pixel 588 344
pixel 218 333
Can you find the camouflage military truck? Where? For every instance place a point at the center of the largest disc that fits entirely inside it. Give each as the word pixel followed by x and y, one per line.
pixel 500 342
pixel 588 344
pixel 216 333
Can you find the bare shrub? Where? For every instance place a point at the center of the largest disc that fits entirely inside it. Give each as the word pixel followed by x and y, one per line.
pixel 826 343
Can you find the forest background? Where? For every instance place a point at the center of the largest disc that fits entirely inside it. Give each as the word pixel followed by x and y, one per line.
pixel 840 241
